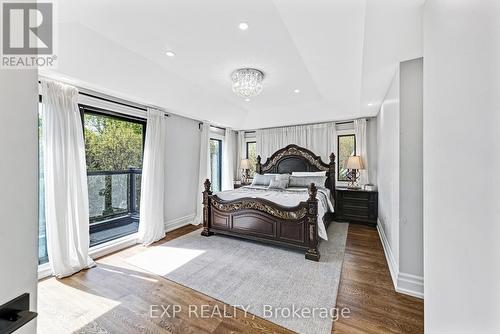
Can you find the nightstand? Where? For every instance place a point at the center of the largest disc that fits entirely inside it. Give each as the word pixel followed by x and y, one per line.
pixel 356 206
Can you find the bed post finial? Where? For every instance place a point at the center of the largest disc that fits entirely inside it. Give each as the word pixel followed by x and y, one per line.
pixel 258 168
pixel 207 185
pixel 312 252
pixel 206 209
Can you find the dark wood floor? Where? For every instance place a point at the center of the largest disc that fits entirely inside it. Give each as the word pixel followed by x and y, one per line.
pixel 115 297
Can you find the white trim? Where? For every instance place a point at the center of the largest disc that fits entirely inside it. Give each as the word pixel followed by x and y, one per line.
pixel 391 260
pixel 97 252
pixel 112 246
pixel 407 284
pixel 410 285
pixel 179 222
pixel 44 270
pixel 121 243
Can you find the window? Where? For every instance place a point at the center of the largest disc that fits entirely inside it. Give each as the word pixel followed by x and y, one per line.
pixel 216 164
pixel 346 147
pixel 42 237
pixel 113 152
pixel 252 156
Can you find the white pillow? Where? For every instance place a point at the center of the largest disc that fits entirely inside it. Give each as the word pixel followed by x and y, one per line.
pixel 305 181
pixel 309 173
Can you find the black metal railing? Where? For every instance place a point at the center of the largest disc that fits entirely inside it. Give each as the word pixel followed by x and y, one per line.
pixel 114 203
pixel 113 193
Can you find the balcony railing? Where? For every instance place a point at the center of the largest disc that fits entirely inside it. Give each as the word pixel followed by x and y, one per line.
pixel 114 202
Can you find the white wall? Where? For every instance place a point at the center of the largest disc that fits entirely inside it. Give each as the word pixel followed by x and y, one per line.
pixel 399 177
pixel 411 252
pixel 183 152
pixel 461 166
pixel 388 173
pixel 372 150
pixel 19 184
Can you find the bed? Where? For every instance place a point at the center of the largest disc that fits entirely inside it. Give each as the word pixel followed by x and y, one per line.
pixel 292 217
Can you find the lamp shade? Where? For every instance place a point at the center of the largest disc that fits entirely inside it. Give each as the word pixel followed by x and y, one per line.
pixel 354 162
pixel 245 164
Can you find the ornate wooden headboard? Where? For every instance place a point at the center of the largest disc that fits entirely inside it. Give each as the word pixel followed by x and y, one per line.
pixel 294 158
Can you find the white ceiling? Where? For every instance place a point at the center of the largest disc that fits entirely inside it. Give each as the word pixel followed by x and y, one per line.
pixel 341 54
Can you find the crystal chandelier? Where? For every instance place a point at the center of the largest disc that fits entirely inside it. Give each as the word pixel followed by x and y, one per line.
pixel 247 82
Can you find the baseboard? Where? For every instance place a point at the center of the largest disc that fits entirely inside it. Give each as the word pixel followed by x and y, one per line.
pixel 179 222
pixel 407 284
pixel 410 285
pixel 389 256
pixel 97 252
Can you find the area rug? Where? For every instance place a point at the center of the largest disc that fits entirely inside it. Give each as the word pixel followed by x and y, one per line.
pixel 274 283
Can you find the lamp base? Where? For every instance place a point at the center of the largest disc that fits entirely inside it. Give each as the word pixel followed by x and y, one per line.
pixel 353 176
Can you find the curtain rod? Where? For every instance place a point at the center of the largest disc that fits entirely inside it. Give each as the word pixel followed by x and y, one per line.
pixel 108 98
pixel 317 123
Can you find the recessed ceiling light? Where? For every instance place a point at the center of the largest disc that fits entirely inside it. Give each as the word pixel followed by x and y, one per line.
pixel 296 91
pixel 243 26
pixel 370 104
pixel 170 53
pixel 247 99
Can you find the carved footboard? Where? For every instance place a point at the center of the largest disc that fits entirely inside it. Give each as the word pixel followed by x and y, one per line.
pixel 262 220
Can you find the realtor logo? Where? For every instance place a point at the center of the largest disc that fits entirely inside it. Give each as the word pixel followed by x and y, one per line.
pixel 27 34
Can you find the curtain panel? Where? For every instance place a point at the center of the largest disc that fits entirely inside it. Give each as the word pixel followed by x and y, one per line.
pixel 241 153
pixel 204 171
pixel 228 160
pixel 321 139
pixel 65 171
pixel 361 148
pixel 151 223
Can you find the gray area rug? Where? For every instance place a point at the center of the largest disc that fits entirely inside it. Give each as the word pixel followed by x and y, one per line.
pixel 265 280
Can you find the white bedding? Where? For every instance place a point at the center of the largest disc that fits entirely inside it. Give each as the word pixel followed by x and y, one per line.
pixel 288 197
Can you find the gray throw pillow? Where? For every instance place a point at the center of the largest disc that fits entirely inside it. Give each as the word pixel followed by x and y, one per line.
pixel 278 184
pixel 305 181
pixel 262 180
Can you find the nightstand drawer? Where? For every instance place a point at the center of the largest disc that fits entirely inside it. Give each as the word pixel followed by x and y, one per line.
pixel 356 196
pixel 356 206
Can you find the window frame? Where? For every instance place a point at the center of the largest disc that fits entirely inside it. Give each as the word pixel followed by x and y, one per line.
pixel 344 134
pixel 132 212
pixel 91 110
pixel 219 159
pixel 247 142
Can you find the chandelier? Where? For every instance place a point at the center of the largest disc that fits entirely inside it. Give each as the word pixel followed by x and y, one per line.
pixel 247 82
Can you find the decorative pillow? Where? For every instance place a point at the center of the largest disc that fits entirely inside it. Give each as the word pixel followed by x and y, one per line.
pixel 279 176
pixel 278 184
pixel 283 177
pixel 309 173
pixel 305 181
pixel 262 180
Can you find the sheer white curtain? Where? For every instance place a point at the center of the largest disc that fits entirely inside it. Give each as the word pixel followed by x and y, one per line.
pixel 204 171
pixel 241 153
pixel 151 224
pixel 228 159
pixel 65 171
pixel 361 149
pixel 321 139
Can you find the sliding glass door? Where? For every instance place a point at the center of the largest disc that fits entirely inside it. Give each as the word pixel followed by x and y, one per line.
pixel 114 152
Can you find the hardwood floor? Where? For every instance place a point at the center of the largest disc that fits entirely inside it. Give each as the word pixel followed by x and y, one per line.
pixel 116 297
pixel 366 289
